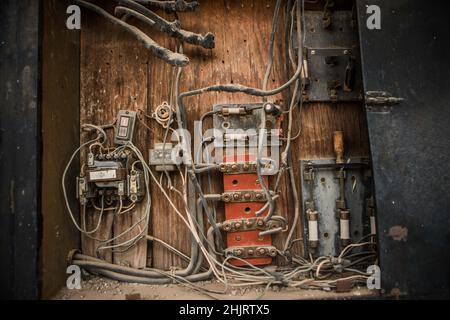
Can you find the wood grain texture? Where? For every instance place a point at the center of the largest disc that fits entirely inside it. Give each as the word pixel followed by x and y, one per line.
pixel 242 30
pixel 60 136
pixel 113 76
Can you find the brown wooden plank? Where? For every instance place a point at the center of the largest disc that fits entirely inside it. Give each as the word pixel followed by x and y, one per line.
pixel 60 113
pixel 95 104
pixel 320 120
pixel 114 77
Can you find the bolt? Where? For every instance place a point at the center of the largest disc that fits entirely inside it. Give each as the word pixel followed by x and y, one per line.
pixel 234 167
pixel 236 196
pixel 226 227
pixel 262 251
pixel 258 196
pixel 260 223
pixel 268 108
pixel 237 225
pixel 246 167
pixel 250 252
pixel 247 196
pixel 238 252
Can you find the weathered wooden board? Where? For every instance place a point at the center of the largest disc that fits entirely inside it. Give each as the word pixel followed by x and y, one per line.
pixel 113 76
pixel 60 133
pixel 242 30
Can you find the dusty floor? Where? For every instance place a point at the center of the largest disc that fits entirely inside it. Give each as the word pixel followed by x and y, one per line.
pixel 96 288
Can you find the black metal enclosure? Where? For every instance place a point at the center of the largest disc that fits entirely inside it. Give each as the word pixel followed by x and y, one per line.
pixel 408 58
pixel 20 148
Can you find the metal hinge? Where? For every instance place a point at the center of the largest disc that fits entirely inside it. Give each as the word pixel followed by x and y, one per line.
pixel 381 98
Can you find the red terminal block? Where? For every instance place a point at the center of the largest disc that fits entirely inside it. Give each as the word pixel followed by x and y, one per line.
pixel 239 210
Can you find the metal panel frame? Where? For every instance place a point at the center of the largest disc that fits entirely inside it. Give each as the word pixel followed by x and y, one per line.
pixel 410 147
pixel 325 191
pixel 20 148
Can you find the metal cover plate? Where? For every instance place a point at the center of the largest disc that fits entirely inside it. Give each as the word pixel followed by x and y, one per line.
pixel 341 35
pixel 409 58
pixel 324 191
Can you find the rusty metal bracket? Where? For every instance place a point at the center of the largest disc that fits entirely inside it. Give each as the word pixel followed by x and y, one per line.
pixel 251 252
pixel 381 98
pixel 237 167
pixel 244 196
pixel 247 224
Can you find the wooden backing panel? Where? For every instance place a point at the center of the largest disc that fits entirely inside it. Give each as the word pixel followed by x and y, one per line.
pixel 242 30
pixel 320 120
pixel 113 77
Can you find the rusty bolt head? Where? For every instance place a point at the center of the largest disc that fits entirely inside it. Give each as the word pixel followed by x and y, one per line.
pixel 226 198
pixel 246 167
pixel 236 196
pixel 247 196
pixel 258 196
pixel 272 252
pixel 248 223
pixel 260 223
pixel 250 252
pixel 238 252
pixel 234 167
pixel 226 227
pixel 237 225
pixel 261 251
pixel 223 167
